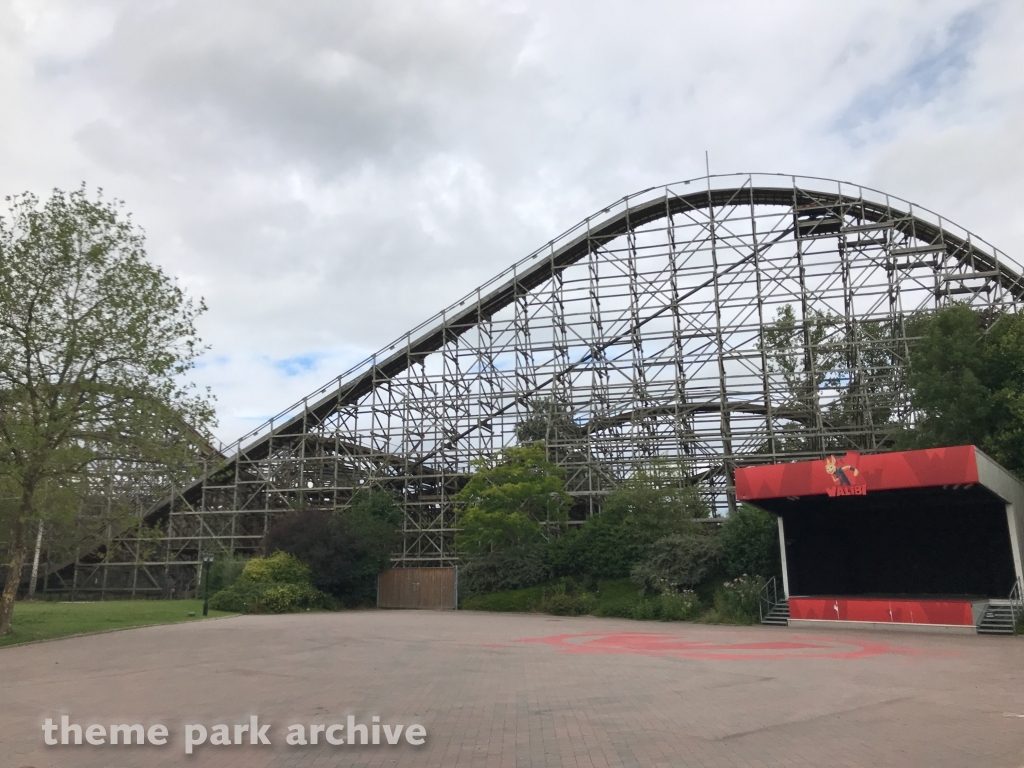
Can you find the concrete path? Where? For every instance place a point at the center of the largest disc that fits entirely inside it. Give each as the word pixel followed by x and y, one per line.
pixel 522 690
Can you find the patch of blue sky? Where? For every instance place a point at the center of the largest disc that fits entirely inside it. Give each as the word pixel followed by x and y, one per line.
pixel 210 361
pixel 299 364
pixel 937 67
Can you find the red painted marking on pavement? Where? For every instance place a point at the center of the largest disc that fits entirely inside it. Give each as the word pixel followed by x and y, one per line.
pixel 650 644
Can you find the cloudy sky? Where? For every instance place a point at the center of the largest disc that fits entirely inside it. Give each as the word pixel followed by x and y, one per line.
pixel 329 174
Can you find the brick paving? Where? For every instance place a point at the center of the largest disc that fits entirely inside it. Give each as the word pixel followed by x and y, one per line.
pixel 525 691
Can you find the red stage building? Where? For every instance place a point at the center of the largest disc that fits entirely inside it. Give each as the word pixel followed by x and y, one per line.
pixel 912 540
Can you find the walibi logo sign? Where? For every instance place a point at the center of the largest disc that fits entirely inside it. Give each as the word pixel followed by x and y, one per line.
pixel 845 477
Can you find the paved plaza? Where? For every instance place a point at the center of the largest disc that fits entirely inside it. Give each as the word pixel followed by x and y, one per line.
pixel 509 690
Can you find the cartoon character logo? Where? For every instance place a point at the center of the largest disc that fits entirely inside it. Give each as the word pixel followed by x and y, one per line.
pixel 841 474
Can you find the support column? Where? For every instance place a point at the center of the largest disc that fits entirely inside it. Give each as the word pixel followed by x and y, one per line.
pixel 1015 541
pixel 782 549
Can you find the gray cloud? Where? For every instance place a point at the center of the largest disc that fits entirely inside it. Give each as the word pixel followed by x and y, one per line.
pixel 330 174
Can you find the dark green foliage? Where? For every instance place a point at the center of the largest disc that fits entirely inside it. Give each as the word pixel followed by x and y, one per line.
pixel 750 543
pixel 549 422
pixel 508 601
pixel 643 510
pixel 344 550
pixel 599 548
pixel 224 572
pixel 737 600
pixel 565 604
pixel 567 597
pixel 677 562
pixel 967 381
pixel 512 568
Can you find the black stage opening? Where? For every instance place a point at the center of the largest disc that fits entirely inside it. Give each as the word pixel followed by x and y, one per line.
pixel 920 541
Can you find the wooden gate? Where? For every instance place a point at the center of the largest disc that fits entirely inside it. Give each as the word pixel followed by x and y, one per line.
pixel 435 588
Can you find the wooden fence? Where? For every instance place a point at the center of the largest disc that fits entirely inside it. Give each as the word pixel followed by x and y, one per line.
pixel 433 588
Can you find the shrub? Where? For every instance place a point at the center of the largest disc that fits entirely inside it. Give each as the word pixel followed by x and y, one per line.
pixel 261 597
pixel 562 604
pixel 750 543
pixel 600 548
pixel 345 550
pixel 514 601
pixel 738 599
pixel 644 509
pixel 677 562
pixel 278 568
pixel 504 569
pixel 645 610
pixel 564 598
pixel 682 606
pixel 620 608
pixel 224 572
pixel 276 584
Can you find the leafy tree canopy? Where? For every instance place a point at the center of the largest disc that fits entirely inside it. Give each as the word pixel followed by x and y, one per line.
pixel 515 498
pixel 967 383
pixel 645 508
pixel 94 343
pixel 345 549
pixel 750 543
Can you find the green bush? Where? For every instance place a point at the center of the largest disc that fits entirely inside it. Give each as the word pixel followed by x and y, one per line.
pixel 510 601
pixel 682 606
pixel 644 509
pixel 504 569
pixel 260 597
pixel 344 549
pixel 645 609
pixel 738 599
pixel 562 604
pixel 678 607
pixel 224 572
pixel 750 543
pixel 618 608
pixel 278 568
pixel 280 583
pixel 677 562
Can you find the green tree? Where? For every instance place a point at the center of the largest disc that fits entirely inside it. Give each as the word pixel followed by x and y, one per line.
pixel 515 498
pixel 967 383
pixel 750 543
pixel 94 343
pixel 645 508
pixel 344 549
pixel 677 562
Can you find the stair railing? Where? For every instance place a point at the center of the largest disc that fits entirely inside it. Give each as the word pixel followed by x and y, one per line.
pixel 1017 604
pixel 767 598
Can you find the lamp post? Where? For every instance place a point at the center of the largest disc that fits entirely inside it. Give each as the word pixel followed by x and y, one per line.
pixel 207 561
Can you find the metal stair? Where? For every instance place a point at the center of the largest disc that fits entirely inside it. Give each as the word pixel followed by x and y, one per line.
pixel 772 606
pixel 998 619
pixel 778 615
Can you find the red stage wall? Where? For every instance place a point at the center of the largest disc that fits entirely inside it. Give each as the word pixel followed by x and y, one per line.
pixel 859 475
pixel 956 612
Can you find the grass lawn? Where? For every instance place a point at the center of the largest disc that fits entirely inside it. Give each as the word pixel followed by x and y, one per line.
pixel 41 621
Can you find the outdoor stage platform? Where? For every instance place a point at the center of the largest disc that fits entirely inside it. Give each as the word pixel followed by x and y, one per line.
pixel 914 540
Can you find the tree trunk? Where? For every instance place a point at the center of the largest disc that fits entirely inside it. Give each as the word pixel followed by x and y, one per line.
pixel 18 553
pixel 17 559
pixel 35 563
